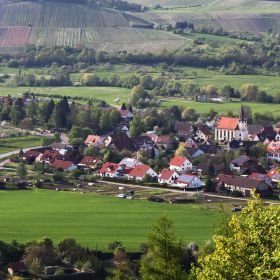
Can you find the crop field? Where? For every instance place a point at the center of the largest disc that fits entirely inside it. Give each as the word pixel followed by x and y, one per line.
pixel 13 143
pixel 172 3
pixel 14 36
pixel 111 39
pixel 95 220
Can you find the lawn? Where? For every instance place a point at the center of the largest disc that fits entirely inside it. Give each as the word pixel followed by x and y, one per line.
pixel 222 107
pixel 95 220
pixel 13 143
pixel 109 94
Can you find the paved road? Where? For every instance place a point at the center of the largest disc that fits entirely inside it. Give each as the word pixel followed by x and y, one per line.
pixel 16 152
pixel 182 191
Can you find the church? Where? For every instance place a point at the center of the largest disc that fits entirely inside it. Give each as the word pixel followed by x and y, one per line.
pixel 228 129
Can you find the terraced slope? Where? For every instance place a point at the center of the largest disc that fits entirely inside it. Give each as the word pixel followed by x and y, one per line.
pixel 75 25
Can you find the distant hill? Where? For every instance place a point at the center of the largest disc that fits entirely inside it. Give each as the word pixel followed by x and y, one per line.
pixel 60 23
pixel 254 16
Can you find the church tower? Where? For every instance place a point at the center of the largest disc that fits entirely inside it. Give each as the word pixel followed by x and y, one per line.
pixel 242 124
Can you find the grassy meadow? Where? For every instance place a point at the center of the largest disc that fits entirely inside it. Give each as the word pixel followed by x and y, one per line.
pixel 95 220
pixel 9 144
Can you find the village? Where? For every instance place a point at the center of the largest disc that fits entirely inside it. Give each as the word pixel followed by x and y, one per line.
pixel 226 156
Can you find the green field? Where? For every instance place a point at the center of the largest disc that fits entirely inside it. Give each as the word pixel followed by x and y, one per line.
pixel 13 143
pixel 110 94
pixel 95 220
pixel 221 108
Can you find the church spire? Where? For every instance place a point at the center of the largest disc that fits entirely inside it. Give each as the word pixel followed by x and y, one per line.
pixel 242 115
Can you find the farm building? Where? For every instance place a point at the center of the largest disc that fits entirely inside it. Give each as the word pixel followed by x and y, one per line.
pixel 242 184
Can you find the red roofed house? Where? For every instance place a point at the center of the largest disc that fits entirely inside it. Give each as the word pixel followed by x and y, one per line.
pixel 90 162
pixel 112 170
pixel 165 141
pixel 63 164
pixel 273 151
pixel 49 156
pixel 167 176
pixel 228 129
pixel 274 175
pixel 261 177
pixel 139 172
pixel 94 141
pixel 180 164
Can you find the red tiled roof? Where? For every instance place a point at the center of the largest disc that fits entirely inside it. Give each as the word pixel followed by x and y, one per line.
pixel 64 164
pixel 227 123
pixel 164 139
pixel 178 161
pixel 258 176
pixel 274 147
pixel 87 160
pixel 31 153
pixel 109 167
pixel 92 139
pixel 51 155
pixel 166 174
pixel 139 170
pixel 273 173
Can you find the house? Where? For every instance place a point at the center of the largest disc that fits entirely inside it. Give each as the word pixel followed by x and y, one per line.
pixel 59 146
pixel 63 164
pixel 126 115
pixel 111 170
pixel 261 177
pixel 241 163
pixel 231 128
pixel 129 163
pixel 139 171
pixel 267 133
pixel 273 151
pixel 242 184
pixel 94 141
pixel 219 168
pixel 180 164
pixel 166 142
pixel 90 162
pixel 30 156
pixel 49 156
pixel 209 148
pixel 167 176
pixel 17 268
pixel 188 182
pixel 194 152
pixel 202 134
pixel 253 131
pixel 184 130
pixel 274 175
pixel 120 141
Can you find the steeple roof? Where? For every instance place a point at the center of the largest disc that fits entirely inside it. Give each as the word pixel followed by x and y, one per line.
pixel 242 115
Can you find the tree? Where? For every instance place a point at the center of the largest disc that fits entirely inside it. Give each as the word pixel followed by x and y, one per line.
pixel 21 170
pixel 163 259
pixel 136 127
pixel 248 248
pixel 181 150
pixel 17 112
pixel 27 124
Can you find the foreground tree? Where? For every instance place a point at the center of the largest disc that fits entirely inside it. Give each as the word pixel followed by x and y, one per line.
pixel 164 257
pixel 247 248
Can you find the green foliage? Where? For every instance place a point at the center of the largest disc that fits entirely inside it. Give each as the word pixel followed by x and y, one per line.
pixel 21 170
pixel 163 259
pixel 248 248
pixel 136 127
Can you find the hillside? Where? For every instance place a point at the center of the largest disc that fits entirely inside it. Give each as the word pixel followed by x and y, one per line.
pixel 76 25
pixel 253 16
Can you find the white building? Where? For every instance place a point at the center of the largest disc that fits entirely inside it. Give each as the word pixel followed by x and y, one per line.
pixel 228 129
pixel 180 164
